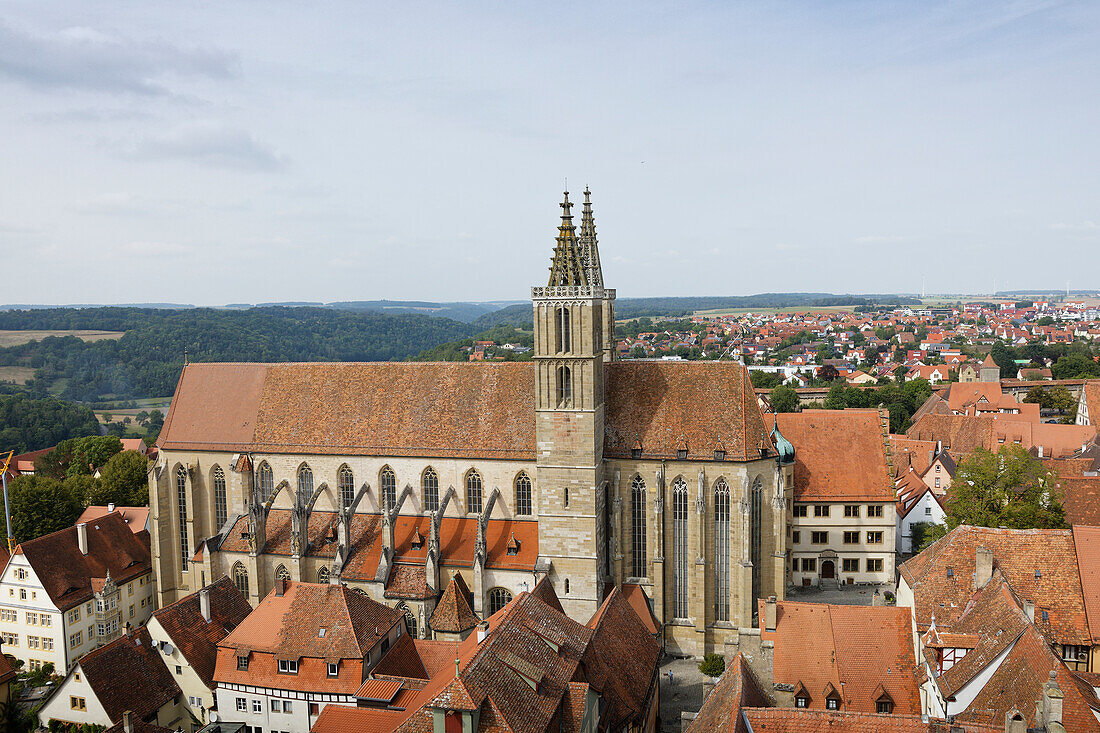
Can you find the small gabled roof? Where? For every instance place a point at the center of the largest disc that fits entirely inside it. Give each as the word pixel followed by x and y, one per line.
pixel 129 674
pixel 453 613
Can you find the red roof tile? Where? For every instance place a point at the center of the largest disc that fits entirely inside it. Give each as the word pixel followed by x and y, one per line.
pixel 453 613
pixel 129 674
pixel 839 454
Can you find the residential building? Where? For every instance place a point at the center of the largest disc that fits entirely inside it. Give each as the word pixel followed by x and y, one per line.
pixel 392 477
pixel 186 635
pixel 918 504
pixel 7 676
pixel 127 674
pixel 305 647
pixel 1088 404
pixel 1050 571
pixel 69 592
pixel 843 514
pixel 136 517
pixel 529 668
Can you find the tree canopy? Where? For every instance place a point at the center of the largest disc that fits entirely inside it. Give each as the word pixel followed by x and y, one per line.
pixel 1009 488
pixel 784 399
pixel 29 423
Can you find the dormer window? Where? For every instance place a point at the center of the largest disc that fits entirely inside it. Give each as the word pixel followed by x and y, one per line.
pixel 333 669
pixel 719 455
pixel 832 703
pixel 242 663
pixel 802 701
pixel 288 666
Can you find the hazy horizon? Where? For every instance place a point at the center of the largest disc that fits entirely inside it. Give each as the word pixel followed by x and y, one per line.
pixel 268 152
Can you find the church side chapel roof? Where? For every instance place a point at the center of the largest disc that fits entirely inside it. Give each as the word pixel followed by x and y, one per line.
pixel 453 613
pixel 457 542
pixel 453 409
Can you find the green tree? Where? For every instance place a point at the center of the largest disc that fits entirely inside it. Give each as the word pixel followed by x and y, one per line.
pixel 1061 399
pixel 784 399
pixel 1009 488
pixel 39 506
pixel 78 456
pixel 1045 321
pixel 123 480
pixel 1038 395
pixel 638 352
pixel 765 380
pixel 1075 366
pixel 82 488
pixel 713 665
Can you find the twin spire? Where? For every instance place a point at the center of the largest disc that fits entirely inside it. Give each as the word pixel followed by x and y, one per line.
pixel 576 259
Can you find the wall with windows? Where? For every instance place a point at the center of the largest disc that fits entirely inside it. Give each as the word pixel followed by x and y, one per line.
pixel 199 698
pixel 30 624
pixel 74 701
pixel 849 542
pixel 697 553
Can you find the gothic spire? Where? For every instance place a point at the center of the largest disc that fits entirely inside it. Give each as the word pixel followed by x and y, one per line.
pixel 567 267
pixel 590 253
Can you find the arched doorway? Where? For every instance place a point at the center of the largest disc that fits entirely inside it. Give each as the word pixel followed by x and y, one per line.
pixel 828 569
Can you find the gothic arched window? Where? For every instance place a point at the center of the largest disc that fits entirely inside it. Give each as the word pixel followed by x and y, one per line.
pixel 266 482
pixel 473 491
pixel 388 481
pixel 430 483
pixel 679 548
pixel 721 550
pixel 498 599
pixel 305 483
pixel 565 337
pixel 221 509
pixel 240 579
pixel 565 386
pixel 345 482
pixel 523 493
pixel 410 620
pixel 281 573
pixel 637 528
pixel 181 509
pixel 323 574
pixel 756 498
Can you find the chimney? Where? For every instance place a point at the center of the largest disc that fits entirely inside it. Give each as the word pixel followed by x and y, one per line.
pixel 280 586
pixel 983 567
pixel 482 631
pixel 82 538
pixel 769 614
pixel 110 507
pixel 1052 701
pixel 128 722
pixel 204 604
pixel 1014 722
pixel 1029 609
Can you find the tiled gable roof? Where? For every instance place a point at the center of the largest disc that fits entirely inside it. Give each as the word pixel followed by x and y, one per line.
pixel 1086 543
pixel 960 434
pixel 129 674
pixel 737 688
pixel 839 454
pixel 453 613
pixel 195 637
pixel 67 575
pixel 452 409
pixel 791 720
pixel 1018 553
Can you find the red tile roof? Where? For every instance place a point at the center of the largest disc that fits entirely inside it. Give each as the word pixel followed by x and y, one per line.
pixel 839 454
pixel 378 690
pixel 481 410
pixel 453 613
pixel 67 575
pixel 1086 542
pixel 736 689
pixel 791 720
pixel 1019 553
pixel 129 674
pixel 137 517
pixel 818 644
pixel 195 637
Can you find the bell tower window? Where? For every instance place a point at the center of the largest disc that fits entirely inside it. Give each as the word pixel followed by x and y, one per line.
pixel 565 336
pixel 565 386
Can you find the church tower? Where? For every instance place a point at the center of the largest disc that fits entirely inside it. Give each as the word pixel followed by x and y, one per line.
pixel 571 345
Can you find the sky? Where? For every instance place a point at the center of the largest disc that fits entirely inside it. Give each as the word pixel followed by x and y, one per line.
pixel 245 152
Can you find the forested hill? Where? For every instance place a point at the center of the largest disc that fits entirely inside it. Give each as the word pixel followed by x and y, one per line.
pixel 146 361
pixel 627 308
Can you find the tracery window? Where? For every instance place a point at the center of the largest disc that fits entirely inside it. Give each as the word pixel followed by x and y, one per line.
pixel 756 498
pixel 565 386
pixel 266 482
pixel 323 574
pixel 679 548
pixel 523 493
pixel 221 510
pixel 722 550
pixel 473 491
pixel 181 508
pixel 565 337
pixel 345 482
pixel 281 573
pixel 637 528
pixel 305 483
pixel 389 487
pixel 430 483
pixel 498 599
pixel 240 579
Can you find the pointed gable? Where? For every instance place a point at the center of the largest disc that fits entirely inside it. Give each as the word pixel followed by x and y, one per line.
pixel 453 613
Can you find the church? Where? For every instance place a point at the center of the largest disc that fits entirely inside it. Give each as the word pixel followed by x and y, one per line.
pixel 394 478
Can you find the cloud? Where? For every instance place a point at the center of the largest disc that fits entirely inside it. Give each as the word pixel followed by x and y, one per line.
pixel 84 58
pixel 212 144
pixel 883 239
pixel 1084 226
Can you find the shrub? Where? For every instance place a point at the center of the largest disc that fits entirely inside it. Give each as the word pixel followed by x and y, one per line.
pixel 713 665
